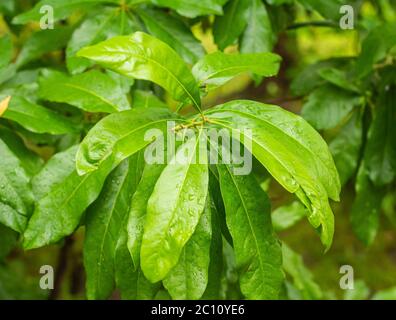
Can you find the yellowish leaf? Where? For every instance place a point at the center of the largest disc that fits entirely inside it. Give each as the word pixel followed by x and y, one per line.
pixel 4 105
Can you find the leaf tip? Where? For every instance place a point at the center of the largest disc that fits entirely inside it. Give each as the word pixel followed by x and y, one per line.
pixel 4 105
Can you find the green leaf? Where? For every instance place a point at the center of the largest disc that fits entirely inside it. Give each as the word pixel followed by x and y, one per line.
pixel 16 198
pixel 61 9
pixel 92 91
pixel 366 207
pixel 58 213
pixel 144 57
pixel 8 241
pixel 6 51
pixel 228 27
pixel 346 147
pixel 137 214
pixel 101 25
pixel 132 283
pixel 36 118
pixel 30 161
pixel 119 136
pixel 104 222
pixel 43 42
pixel 257 249
pixel 189 278
pixel 328 9
pixel 217 68
pixel 302 277
pixel 380 154
pixel 146 99
pixel 338 78
pixel 213 289
pixel 192 8
pixel 293 153
pixel 287 216
pixel 388 294
pixel 375 47
pixel 259 35
pixel 174 210
pixel 174 32
pixel 328 105
pixel 309 77
pixel 359 292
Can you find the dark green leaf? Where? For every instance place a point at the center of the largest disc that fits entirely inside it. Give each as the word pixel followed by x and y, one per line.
pixel 58 212
pixel 105 220
pixel 228 27
pixel 192 8
pixel 174 32
pixel 43 42
pixel 16 198
pixel 328 105
pixel 346 146
pixel 258 252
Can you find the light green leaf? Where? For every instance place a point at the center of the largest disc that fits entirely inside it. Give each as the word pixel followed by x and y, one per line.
pixel 302 277
pixel 388 294
pixel 293 153
pixel 217 68
pixel 61 9
pixel 328 105
pixel 36 118
pixel 146 99
pixel 92 91
pixel 58 213
pixel 119 136
pixel 257 249
pixel 174 32
pixel 360 291
pixel 104 222
pixel 258 36
pixel 6 51
pixel 189 278
pixel 174 210
pixel 144 57
pixel 101 25
pixel 287 216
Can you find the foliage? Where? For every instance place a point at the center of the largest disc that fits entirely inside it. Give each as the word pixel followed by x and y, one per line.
pixel 77 101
